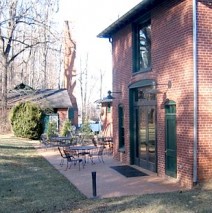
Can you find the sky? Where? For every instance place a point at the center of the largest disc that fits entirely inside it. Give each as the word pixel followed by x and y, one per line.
pixel 89 18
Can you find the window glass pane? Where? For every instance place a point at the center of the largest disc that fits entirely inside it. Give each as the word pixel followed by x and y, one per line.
pixel 142 133
pixel 142 94
pixel 151 129
pixel 145 47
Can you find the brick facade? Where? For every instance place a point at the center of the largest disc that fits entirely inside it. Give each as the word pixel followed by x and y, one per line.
pixel 172 59
pixel 204 89
pixel 121 48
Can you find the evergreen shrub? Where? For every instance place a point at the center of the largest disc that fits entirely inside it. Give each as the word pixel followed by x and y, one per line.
pixel 66 128
pixel 26 120
pixel 86 130
pixel 52 130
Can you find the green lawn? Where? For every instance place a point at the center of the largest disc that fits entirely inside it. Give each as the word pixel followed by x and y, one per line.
pixel 28 183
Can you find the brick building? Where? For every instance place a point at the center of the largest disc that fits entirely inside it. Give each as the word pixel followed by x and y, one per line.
pixel 162 58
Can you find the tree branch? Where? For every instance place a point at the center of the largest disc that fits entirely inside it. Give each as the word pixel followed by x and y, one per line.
pixel 27 46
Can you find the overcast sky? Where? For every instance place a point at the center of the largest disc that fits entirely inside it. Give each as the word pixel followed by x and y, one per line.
pixel 89 18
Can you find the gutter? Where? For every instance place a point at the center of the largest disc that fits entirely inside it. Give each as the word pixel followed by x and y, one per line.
pixel 195 70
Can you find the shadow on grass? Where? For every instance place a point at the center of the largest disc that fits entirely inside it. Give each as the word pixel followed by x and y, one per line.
pixel 188 202
pixel 30 184
pixel 16 147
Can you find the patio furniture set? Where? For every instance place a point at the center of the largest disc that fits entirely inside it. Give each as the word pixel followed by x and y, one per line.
pixel 80 155
pixel 73 151
pixel 54 141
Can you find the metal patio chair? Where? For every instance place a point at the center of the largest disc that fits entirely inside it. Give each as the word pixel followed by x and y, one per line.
pixel 98 154
pixel 70 158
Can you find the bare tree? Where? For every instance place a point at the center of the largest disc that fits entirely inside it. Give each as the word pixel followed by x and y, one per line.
pixel 18 22
pixel 88 84
pixel 83 80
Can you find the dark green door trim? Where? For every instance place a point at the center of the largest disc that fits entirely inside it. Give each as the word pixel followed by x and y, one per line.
pixel 133 105
pixel 142 83
pixel 131 127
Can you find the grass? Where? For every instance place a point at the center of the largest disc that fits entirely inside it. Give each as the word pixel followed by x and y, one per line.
pixel 28 183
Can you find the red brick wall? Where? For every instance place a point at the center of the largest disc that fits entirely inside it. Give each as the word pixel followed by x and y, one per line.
pixel 171 60
pixel 122 71
pixel 205 89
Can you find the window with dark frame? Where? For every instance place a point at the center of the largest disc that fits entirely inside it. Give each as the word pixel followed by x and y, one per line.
pixel 121 127
pixel 142 47
pixel 109 108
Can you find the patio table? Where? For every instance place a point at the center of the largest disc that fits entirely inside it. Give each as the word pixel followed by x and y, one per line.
pixel 82 150
pixel 61 140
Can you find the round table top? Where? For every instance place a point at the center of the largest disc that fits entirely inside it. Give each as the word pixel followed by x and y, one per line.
pixel 82 147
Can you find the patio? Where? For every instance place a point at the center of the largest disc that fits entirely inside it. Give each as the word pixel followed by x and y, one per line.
pixel 109 183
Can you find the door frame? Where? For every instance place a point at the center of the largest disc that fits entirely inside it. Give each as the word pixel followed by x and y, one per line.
pixel 139 97
pixel 132 87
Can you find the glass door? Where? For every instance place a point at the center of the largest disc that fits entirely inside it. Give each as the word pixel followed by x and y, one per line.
pixel 146 136
pixel 145 132
pixel 145 146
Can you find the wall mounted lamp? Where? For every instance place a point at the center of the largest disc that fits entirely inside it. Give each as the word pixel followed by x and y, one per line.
pixel 154 90
pixel 108 99
pixel 110 96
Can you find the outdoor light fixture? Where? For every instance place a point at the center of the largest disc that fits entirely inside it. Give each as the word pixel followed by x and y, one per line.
pixel 108 99
pixel 154 90
pixel 110 96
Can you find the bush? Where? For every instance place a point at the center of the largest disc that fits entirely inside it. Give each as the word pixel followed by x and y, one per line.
pixel 52 129
pixel 25 119
pixel 86 130
pixel 66 129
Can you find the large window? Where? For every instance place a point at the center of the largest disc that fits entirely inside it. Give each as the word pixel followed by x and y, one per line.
pixel 142 47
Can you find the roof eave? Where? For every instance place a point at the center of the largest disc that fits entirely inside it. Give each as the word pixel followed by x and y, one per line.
pixel 142 7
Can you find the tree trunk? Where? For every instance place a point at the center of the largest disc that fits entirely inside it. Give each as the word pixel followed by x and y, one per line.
pixel 4 86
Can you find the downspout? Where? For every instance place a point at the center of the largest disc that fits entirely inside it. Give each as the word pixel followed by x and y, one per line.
pixel 195 58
